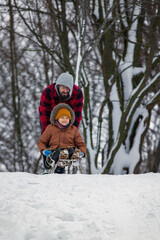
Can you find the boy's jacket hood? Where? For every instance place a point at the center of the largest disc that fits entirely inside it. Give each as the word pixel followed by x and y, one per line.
pixel 57 107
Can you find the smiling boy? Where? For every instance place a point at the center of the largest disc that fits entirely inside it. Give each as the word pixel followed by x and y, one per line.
pixel 62 136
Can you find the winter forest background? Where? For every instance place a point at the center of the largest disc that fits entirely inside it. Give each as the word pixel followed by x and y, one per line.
pixel 112 48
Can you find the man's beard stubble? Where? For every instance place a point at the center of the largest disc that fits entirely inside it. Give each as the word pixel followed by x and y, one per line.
pixel 63 98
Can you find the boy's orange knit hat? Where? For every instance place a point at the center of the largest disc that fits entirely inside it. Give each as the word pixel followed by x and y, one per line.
pixel 63 112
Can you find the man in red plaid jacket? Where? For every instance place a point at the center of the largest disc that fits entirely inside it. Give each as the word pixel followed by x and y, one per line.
pixel 62 91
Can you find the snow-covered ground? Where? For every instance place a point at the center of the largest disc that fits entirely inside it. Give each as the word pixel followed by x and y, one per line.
pixel 79 207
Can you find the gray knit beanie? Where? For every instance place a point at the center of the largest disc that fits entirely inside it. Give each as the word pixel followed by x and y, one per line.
pixel 65 79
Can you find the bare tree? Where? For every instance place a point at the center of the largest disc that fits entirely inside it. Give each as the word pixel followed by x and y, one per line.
pixel 112 50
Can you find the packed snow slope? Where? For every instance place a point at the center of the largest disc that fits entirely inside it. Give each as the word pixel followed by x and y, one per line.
pixel 79 207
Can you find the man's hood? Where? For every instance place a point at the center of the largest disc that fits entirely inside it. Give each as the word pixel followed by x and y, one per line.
pixel 65 79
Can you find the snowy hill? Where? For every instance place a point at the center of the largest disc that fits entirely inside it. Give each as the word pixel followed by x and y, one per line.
pixel 79 207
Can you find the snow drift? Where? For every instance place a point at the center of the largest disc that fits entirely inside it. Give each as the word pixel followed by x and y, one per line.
pixel 88 207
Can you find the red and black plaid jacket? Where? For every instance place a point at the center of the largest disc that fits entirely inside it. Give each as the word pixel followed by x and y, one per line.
pixel 50 98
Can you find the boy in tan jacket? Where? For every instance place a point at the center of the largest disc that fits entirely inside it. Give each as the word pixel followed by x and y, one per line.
pixel 62 137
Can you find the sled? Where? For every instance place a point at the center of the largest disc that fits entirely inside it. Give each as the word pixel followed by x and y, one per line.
pixel 72 166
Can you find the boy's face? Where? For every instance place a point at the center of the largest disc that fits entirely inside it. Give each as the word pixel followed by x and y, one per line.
pixel 64 120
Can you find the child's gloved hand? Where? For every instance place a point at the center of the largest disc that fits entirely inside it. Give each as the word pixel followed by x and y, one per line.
pixel 47 152
pixel 82 154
